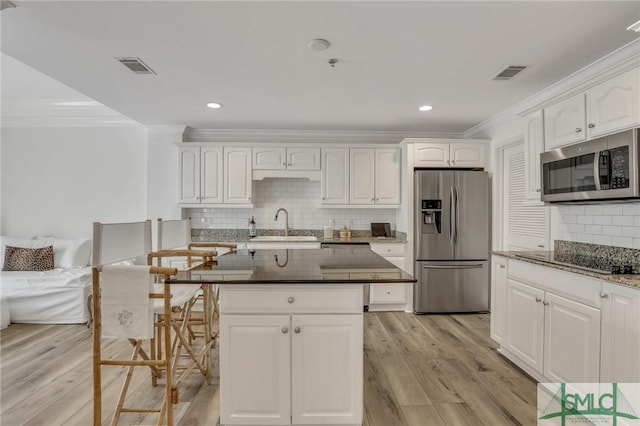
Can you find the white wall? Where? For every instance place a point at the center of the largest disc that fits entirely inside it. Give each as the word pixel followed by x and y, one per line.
pixel 301 198
pixel 58 180
pixel 162 172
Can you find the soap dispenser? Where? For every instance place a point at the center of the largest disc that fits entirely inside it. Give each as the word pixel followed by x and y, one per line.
pixel 252 227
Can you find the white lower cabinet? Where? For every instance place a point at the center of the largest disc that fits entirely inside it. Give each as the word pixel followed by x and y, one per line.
pixel 551 321
pixel 498 298
pixel 298 362
pixel 389 297
pixel 620 350
pixel 571 341
pixel 525 323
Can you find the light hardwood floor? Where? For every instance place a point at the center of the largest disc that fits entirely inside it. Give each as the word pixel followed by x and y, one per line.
pixel 419 370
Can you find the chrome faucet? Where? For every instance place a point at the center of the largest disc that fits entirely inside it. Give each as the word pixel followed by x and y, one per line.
pixel 286 223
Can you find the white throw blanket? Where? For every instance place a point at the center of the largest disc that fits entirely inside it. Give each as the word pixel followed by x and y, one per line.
pixel 127 311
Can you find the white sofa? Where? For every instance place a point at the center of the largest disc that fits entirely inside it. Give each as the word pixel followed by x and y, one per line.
pixel 57 296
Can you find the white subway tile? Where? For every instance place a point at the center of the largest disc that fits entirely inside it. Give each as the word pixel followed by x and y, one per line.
pixel 593 229
pixel 593 210
pixel 612 209
pixel 602 239
pixel 631 209
pixel 631 231
pixel 587 220
pixel 622 242
pixel 623 220
pixel 602 220
pixel 569 218
pixel 612 230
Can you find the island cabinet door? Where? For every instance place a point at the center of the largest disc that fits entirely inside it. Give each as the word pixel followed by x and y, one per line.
pixel 255 378
pixel 326 369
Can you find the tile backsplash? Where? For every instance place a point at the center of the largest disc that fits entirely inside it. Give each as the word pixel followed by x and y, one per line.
pixel 301 198
pixel 606 224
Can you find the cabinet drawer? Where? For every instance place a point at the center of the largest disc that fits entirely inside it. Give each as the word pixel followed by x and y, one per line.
pixel 389 250
pixel 323 298
pixel 387 293
pixel 576 287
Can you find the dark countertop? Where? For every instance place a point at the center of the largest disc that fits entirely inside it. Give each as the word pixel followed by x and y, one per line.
pixel 300 266
pixel 545 258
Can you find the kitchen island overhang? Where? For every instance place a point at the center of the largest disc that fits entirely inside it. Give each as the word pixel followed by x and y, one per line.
pixel 291 341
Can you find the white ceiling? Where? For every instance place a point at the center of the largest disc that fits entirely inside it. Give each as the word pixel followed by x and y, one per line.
pixel 254 59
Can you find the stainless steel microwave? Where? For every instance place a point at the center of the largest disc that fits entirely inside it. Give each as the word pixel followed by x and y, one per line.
pixel 601 169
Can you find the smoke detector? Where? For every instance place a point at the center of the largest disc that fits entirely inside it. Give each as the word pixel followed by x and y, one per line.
pixel 319 44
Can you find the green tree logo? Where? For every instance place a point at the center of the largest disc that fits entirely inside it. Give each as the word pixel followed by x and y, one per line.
pixel 581 405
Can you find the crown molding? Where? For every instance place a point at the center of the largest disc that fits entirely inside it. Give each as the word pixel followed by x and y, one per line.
pixel 610 65
pixel 167 130
pixel 303 136
pixel 40 122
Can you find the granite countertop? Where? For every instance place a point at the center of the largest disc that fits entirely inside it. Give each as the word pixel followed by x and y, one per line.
pixel 304 266
pixel 544 258
pixel 242 236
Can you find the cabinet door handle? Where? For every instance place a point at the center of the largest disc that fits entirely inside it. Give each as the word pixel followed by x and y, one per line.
pixel 502 266
pixel 285 330
pixel 603 295
pixel 538 190
pixel 591 125
pixel 297 330
pixel 284 164
pixel 540 245
pixel 545 303
pixel 453 162
pixel 289 164
pixel 578 129
pixel 538 300
pixel 291 300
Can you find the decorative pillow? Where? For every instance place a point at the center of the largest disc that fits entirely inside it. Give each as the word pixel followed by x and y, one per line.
pixel 22 242
pixel 71 253
pixel 28 259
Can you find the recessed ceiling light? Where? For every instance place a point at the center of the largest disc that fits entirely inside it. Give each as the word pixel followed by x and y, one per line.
pixel 214 105
pixel 634 27
pixel 425 108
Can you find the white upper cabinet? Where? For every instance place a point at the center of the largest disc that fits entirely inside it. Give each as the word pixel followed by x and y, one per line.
pixel 467 154
pixel 211 175
pixel 432 155
pixel 269 158
pixel 335 176
pixel 286 158
pixel 303 158
pixel 200 175
pixel 237 174
pixel 533 147
pixel 614 104
pixel 374 176
pixel 189 175
pixel 449 154
pixel 387 176
pixel 610 106
pixel 362 176
pixel 564 123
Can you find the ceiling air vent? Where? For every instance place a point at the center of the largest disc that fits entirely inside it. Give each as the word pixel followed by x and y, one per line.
pixel 509 72
pixel 136 65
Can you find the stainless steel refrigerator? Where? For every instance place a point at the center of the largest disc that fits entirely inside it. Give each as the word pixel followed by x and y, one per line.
pixel 452 229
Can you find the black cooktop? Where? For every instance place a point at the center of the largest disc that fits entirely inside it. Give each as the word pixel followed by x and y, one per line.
pixel 580 261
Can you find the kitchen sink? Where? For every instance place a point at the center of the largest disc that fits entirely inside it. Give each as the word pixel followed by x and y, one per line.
pixel 292 239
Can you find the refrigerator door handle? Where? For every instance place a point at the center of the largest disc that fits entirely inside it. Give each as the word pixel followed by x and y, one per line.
pixel 475 266
pixel 455 229
pixel 452 217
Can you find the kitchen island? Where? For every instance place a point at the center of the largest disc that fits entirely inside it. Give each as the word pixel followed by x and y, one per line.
pixel 291 337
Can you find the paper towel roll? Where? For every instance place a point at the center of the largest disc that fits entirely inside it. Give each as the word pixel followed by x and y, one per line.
pixel 328 231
